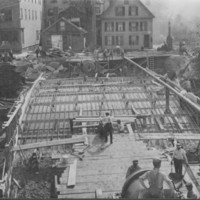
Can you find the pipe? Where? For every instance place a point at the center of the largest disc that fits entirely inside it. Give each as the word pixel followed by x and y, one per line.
pixel 196 107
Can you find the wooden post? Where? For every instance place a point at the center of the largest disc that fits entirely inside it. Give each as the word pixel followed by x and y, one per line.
pixel 167 92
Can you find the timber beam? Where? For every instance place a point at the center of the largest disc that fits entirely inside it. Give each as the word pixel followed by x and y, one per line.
pixel 165 136
pixel 164 83
pixel 50 143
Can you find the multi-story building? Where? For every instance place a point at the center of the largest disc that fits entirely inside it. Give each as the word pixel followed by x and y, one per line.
pixel 20 23
pixel 127 23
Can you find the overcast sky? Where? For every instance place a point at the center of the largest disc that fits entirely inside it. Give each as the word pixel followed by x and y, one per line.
pixel 181 13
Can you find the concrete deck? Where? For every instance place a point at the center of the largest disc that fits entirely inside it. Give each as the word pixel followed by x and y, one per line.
pixel 55 101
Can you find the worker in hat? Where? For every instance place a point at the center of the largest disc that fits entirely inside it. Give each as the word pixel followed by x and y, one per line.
pixel 190 193
pixel 133 168
pixel 108 128
pixel 179 156
pixel 156 180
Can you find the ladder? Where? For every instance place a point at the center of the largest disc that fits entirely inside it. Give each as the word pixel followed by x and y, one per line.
pixel 151 62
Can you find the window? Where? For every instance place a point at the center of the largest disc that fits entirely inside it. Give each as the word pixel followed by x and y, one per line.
pixel 133 26
pixel 133 40
pixel 126 2
pixel 143 26
pixel 25 13
pixel 22 36
pixel 40 15
pixel 39 1
pixel 97 10
pixel 133 11
pixel 37 35
pixel 32 14
pixel 62 26
pixel 29 14
pixel 50 12
pixel 120 26
pixel 120 11
pixel 53 1
pixel 9 36
pixel 109 40
pixel 119 40
pixel 21 13
pixel 6 15
pixel 109 26
pixel 36 14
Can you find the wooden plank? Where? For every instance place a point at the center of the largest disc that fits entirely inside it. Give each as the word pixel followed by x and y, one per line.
pixel 164 136
pixel 98 193
pixel 50 143
pixel 159 123
pixel 72 174
pixel 130 130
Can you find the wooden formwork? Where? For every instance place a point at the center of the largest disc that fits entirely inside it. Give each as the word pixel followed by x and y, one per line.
pixel 57 101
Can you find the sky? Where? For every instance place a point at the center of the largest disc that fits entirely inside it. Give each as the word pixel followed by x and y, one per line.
pixel 180 12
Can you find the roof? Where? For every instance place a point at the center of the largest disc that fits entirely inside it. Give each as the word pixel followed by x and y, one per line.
pixel 119 2
pixel 67 21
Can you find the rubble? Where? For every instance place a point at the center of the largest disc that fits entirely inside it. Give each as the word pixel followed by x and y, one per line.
pixel 11 82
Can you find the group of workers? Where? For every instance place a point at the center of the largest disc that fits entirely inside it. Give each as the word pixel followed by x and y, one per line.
pixel 156 178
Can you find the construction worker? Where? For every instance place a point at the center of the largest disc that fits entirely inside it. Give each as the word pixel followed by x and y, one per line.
pixel 156 180
pixel 34 163
pixel 133 168
pixel 190 193
pixel 108 128
pixel 179 156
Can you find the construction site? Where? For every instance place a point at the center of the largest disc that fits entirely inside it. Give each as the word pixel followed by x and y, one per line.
pixel 93 108
pixel 59 115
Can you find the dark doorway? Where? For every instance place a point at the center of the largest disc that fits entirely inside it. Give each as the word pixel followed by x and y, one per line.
pixel 146 41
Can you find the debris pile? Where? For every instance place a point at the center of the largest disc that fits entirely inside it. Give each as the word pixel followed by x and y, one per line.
pixel 55 52
pixel 11 82
pixel 35 190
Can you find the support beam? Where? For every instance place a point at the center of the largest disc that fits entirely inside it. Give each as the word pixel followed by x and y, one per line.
pixel 167 93
pixel 165 136
pixel 49 143
pixel 176 91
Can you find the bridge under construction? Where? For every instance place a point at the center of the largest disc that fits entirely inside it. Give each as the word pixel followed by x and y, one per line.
pixel 59 114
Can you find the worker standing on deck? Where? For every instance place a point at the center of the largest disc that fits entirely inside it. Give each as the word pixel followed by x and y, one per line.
pixel 190 193
pixel 179 156
pixel 156 180
pixel 108 128
pixel 133 168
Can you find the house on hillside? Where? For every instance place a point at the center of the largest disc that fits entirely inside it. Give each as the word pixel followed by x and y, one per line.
pixel 127 23
pixel 62 34
pixel 20 23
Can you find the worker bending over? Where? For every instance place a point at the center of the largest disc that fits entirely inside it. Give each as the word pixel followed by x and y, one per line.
pixel 190 193
pixel 179 156
pixel 133 168
pixel 156 180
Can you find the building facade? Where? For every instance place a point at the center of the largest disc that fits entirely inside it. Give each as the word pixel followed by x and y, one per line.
pixel 62 34
pixel 20 23
pixel 79 12
pixel 127 23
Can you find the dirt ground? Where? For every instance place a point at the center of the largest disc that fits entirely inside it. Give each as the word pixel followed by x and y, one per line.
pixel 36 186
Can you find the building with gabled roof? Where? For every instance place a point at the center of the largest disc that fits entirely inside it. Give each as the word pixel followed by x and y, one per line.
pixel 62 34
pixel 79 12
pixel 127 23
